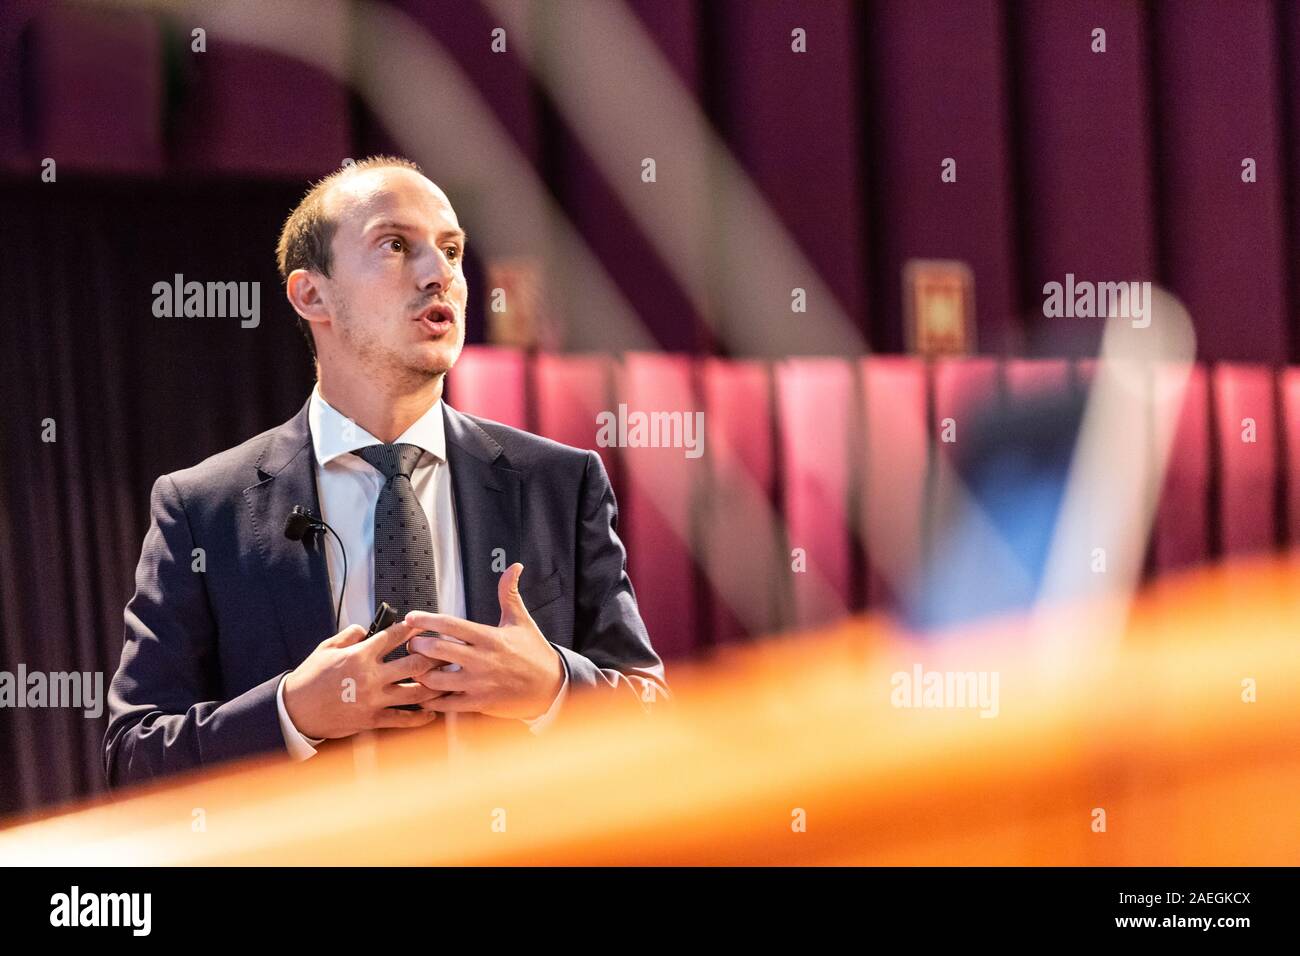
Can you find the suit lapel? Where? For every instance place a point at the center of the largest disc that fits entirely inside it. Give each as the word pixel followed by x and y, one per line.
pixel 294 572
pixel 487 498
pixel 486 495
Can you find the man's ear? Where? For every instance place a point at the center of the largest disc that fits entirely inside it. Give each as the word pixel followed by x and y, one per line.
pixel 306 294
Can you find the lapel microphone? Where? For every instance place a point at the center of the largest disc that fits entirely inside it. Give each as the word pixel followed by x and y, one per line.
pixel 299 524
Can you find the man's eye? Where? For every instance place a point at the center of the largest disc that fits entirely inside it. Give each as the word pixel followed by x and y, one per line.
pixel 399 243
pixel 453 253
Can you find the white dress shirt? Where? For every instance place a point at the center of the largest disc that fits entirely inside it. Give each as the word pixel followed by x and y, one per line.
pixel 348 487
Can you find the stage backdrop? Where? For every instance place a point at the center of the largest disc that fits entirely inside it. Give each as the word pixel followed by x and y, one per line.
pixel 1125 163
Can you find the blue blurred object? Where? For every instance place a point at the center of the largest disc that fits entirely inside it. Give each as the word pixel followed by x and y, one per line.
pixel 1014 466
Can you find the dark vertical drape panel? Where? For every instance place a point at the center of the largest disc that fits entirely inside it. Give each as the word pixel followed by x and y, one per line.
pixel 938 91
pixel 793 122
pixel 465 31
pixel 1289 89
pixel 1067 160
pixel 97 84
pixel 1083 140
pixel 131 397
pixel 14 17
pixel 298 114
pixel 1222 239
pixel 592 203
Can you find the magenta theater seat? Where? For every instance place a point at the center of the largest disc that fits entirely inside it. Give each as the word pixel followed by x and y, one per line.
pixel 571 390
pixel 658 505
pixel 895 463
pixel 1290 384
pixel 1244 409
pixel 961 390
pixel 1181 530
pixel 1025 378
pixel 740 555
pixel 490 382
pixel 815 408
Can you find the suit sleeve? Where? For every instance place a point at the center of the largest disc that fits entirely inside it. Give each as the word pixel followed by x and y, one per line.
pixel 165 711
pixel 612 653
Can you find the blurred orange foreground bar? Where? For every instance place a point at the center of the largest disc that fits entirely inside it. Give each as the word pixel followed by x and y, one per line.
pixel 791 752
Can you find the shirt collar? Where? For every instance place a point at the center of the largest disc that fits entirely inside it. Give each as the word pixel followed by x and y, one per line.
pixel 333 434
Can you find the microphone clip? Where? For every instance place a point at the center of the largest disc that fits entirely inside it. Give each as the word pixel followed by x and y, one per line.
pixel 300 523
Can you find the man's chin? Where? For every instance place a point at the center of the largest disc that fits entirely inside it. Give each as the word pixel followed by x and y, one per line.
pixel 434 358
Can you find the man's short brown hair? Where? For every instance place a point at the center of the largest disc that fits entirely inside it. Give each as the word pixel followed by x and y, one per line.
pixel 308 233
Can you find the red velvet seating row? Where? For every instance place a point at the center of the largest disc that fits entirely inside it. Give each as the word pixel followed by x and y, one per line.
pixel 818 475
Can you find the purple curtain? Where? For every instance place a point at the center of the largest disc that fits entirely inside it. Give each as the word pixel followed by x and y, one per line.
pixel 1123 164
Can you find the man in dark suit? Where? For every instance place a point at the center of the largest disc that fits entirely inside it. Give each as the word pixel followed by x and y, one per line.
pixel 232 643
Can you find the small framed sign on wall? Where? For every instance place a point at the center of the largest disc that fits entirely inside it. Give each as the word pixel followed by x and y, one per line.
pixel 939 306
pixel 516 310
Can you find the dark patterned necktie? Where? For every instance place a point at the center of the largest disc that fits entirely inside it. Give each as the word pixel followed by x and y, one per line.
pixel 405 572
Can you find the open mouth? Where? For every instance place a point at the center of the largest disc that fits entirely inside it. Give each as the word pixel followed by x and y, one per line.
pixel 438 319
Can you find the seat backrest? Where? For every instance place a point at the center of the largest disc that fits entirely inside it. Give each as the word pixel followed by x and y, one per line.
pixel 1246 431
pixel 961 389
pixel 1181 529
pixel 660 488
pixel 571 390
pixel 814 412
pixel 1290 385
pixel 491 383
pixel 895 462
pixel 1025 378
pixel 739 521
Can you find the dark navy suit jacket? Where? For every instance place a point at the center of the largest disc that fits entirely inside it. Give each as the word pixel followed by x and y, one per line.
pixel 205 649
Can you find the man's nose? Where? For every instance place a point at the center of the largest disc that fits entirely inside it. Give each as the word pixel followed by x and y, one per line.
pixel 436 273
